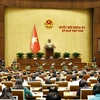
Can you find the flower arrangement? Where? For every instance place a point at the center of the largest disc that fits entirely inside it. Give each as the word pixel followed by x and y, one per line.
pixel 14 67
pixel 52 67
pixel 86 67
pixel 76 54
pixel 57 55
pixel 40 68
pixel 2 67
pixel 75 67
pixel 29 55
pixel 64 67
pixel 20 54
pixel 66 55
pixel 94 66
pixel 39 55
pixel 27 67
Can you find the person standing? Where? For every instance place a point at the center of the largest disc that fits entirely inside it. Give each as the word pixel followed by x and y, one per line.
pixel 49 44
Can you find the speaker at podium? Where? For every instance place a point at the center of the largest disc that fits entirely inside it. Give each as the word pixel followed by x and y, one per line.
pixel 49 49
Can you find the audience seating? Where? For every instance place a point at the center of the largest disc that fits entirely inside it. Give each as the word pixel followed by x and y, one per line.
pixel 85 92
pixel 93 80
pixel 89 83
pixel 61 93
pixel 86 77
pixel 24 77
pixel 0 88
pixel 7 83
pixel 53 81
pixel 45 92
pixel 34 83
pixel 13 80
pixel 62 86
pixel 74 87
pixel 19 93
pixel 62 83
pixel 46 86
pixel 0 75
pixel 42 76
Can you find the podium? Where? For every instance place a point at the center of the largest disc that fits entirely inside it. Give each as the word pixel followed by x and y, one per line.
pixel 49 52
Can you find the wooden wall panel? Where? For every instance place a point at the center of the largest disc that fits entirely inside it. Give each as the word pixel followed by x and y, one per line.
pixel 52 3
pixel 1 12
pixel 96 36
pixel 2 31
pixel 97 15
pixel 1 28
pixel 97 30
pixel 2 47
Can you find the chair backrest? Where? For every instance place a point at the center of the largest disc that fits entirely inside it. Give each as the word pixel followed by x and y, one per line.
pixel 62 83
pixel 34 83
pixel 74 87
pixel 0 88
pixel 24 77
pixel 53 81
pixel 46 86
pixel 19 93
pixel 45 92
pixel 86 77
pixel 61 93
pixel 7 83
pixel 42 76
pixel 89 83
pixel 93 80
pixel 85 92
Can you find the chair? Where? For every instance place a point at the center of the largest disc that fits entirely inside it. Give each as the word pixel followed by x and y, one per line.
pixel 45 92
pixel 62 83
pixel 53 81
pixel 42 76
pixel 86 77
pixel 85 92
pixel 93 80
pixel 34 83
pixel 61 93
pixel 7 83
pixel 74 87
pixel 46 86
pixel 89 83
pixel 0 88
pixel 24 77
pixel 19 93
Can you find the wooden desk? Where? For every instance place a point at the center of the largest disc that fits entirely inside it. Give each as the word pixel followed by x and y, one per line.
pixel 40 98
pixel 35 95
pixel 36 89
pixel 34 63
pixel 69 95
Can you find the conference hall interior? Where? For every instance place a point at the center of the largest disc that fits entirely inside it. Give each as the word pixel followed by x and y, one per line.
pixel 50 49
